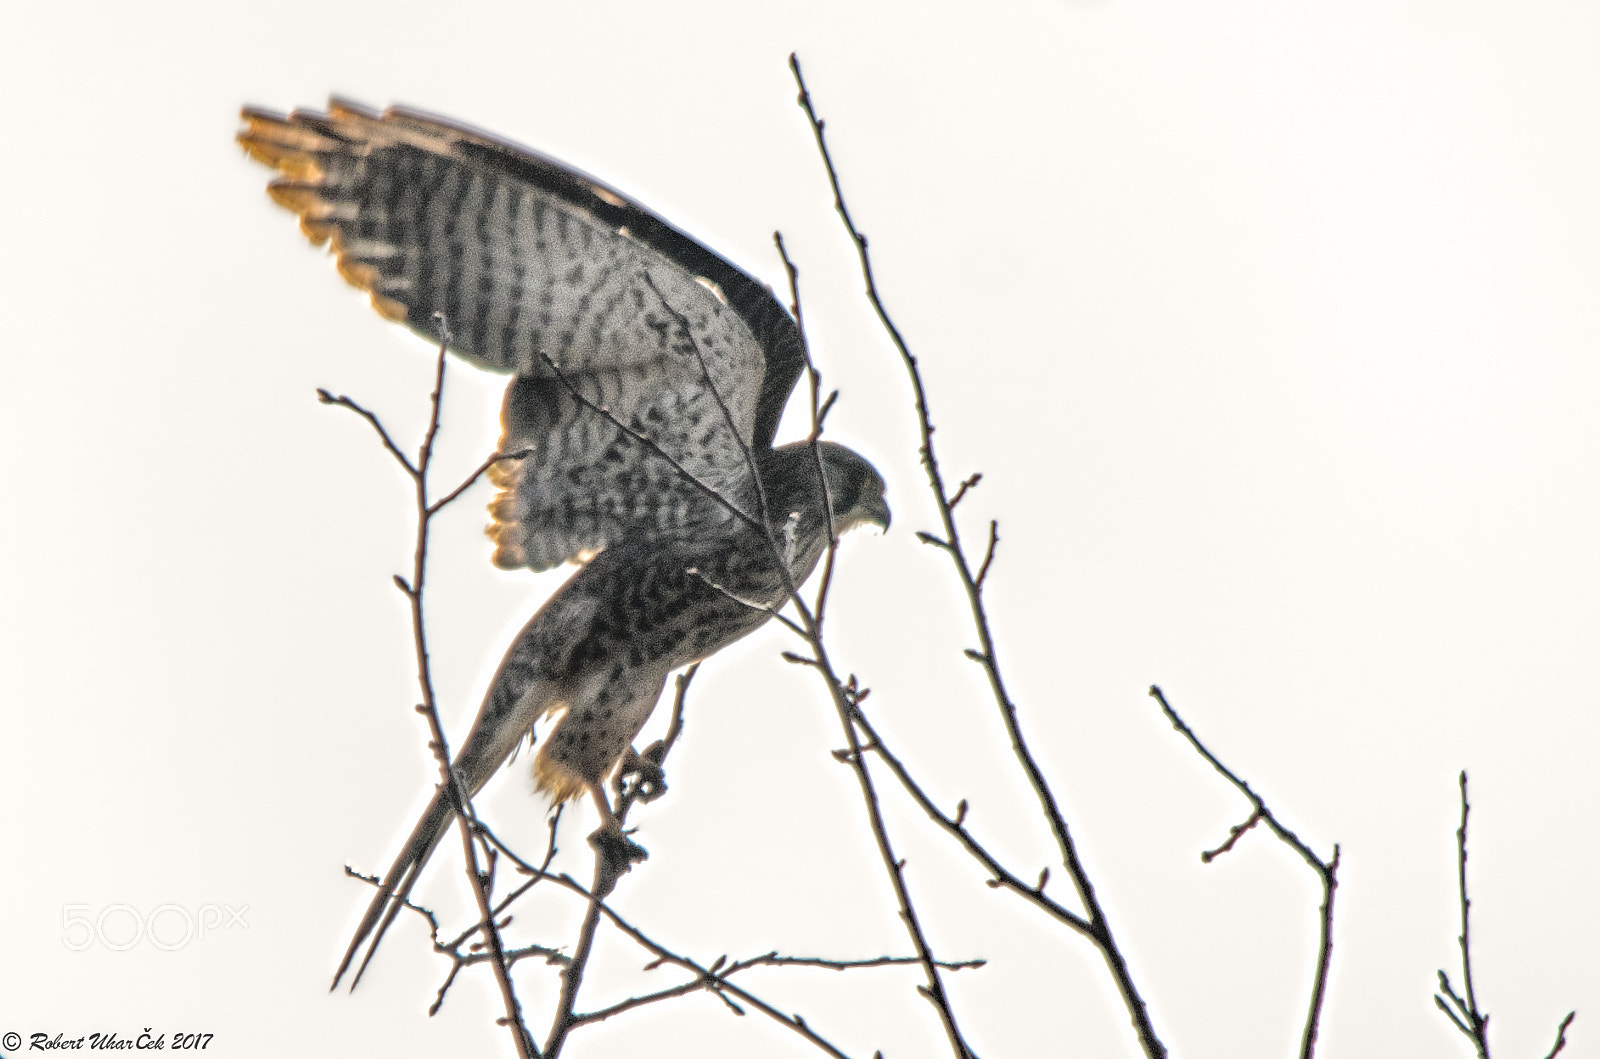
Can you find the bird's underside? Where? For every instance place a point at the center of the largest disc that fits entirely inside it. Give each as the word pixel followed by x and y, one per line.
pixel 648 376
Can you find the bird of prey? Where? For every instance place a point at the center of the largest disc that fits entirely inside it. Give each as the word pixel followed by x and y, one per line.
pixel 648 376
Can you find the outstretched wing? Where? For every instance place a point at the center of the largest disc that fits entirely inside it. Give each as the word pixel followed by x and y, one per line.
pixel 546 273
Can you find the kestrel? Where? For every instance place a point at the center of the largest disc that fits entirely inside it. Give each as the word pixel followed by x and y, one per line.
pixel 603 314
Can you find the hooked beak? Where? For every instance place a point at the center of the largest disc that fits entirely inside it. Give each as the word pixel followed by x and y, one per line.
pixel 877 512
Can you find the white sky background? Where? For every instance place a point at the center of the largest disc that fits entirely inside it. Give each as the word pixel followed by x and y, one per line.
pixel 1272 327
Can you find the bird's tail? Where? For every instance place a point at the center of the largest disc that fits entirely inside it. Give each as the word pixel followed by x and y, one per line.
pixel 515 701
pixel 396 884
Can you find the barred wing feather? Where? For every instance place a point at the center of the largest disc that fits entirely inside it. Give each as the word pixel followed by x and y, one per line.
pixel 547 274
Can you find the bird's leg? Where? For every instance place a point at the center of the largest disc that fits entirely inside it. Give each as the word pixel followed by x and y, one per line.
pixel 648 778
pixel 617 852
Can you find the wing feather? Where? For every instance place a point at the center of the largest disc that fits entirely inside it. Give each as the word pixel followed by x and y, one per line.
pixel 534 264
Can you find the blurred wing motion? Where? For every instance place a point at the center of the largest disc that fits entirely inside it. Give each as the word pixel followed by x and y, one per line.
pixel 550 276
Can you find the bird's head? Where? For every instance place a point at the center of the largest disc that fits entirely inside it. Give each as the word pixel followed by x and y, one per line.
pixel 855 487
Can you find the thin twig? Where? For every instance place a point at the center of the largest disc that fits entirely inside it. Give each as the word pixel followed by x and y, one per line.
pixel 849 713
pixel 988 554
pixel 808 628
pixel 344 402
pixel 425 913
pixel 565 1019
pixel 471 479
pixel 1561 1035
pixel 818 412
pixel 770 611
pixel 693 985
pixel 718 976
pixel 707 978
pixel 1000 876
pixel 682 471
pixel 679 698
pixel 1327 871
pixel 1102 934
pixel 970 483
pixel 781 556
pixel 482 831
pixel 1235 833
pixel 564 1022
pixel 846 699
pixel 720 972
pixel 657 753
pixel 526 1049
pixel 765 514
pixel 1467 1016
pixel 772 959
pixel 414 591
pixel 792 1022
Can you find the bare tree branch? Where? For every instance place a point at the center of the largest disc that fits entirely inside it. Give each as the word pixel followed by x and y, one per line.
pixel 1468 1018
pixel 471 479
pixel 1327 871
pixel 634 435
pixel 987 656
pixel 1561 1035
pixel 482 832
pixel 721 986
pixel 847 698
pixel 1000 876
pixel 841 693
pixel 414 591
pixel 764 514
pixel 818 412
pixel 718 976
pixel 383 435
pixel 657 752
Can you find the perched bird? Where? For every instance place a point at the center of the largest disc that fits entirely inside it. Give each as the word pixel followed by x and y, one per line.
pixel 648 376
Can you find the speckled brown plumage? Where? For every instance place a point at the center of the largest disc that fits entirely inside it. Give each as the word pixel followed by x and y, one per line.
pixel 562 282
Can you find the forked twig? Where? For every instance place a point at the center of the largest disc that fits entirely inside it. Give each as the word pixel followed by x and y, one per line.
pixel 841 694
pixel 1464 1012
pixel 649 443
pixel 1000 876
pixel 414 592
pixel 986 655
pixel 1327 871
pixel 846 696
